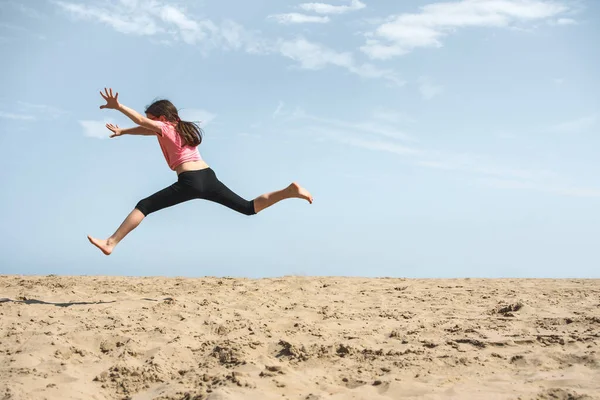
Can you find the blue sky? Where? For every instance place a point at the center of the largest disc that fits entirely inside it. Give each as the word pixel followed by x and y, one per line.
pixel 439 139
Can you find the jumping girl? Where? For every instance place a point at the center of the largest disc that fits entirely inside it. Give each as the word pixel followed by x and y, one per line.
pixel 179 142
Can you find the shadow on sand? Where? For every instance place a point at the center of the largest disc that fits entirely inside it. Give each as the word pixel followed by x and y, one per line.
pixel 73 303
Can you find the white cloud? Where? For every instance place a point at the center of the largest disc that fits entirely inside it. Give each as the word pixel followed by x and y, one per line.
pixel 372 128
pixel 486 170
pixel 313 55
pixel 565 190
pixel 190 31
pixel 201 117
pixel 402 33
pixel 29 112
pixel 492 174
pixel 278 109
pixel 42 110
pixel 323 8
pixel 30 12
pixel 22 29
pixel 157 19
pixel 234 36
pixel 316 56
pixel 296 18
pixel 379 145
pixel 22 117
pixel 137 23
pixel 429 158
pixel 391 116
pixel 576 125
pixel 566 21
pixel 428 89
pixel 95 129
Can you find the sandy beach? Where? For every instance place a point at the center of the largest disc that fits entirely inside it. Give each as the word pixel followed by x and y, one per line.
pixel 308 338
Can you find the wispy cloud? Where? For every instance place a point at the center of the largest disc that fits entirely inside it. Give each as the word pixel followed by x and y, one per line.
pixel 190 31
pixel 278 109
pixel 22 117
pixel 428 89
pixel 95 129
pixel 297 18
pixel 391 116
pixel 236 37
pixel 490 172
pixel 23 29
pixel 403 33
pixel 564 190
pixel 201 117
pixel 577 125
pixel 369 128
pixel 324 8
pixel 115 16
pixel 42 110
pixel 157 19
pixel 25 111
pixel 30 12
pixel 417 155
pixel 315 56
pixel 566 21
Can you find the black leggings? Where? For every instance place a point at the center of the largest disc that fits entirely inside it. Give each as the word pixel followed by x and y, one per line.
pixel 200 184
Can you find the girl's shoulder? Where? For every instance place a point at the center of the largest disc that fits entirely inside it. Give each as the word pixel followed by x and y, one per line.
pixel 169 129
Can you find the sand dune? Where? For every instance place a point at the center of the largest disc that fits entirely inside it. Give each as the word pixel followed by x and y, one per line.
pixel 298 338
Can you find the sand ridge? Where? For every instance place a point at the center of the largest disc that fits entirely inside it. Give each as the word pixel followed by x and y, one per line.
pixel 311 338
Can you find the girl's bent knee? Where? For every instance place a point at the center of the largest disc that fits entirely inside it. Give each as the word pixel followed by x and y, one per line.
pixel 143 207
pixel 250 210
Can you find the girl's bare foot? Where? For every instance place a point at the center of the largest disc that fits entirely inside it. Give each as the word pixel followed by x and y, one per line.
pixel 299 192
pixel 102 244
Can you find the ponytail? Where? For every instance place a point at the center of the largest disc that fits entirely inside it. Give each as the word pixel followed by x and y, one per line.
pixel 190 132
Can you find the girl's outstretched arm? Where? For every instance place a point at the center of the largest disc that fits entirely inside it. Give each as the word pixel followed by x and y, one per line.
pixel 112 102
pixel 137 130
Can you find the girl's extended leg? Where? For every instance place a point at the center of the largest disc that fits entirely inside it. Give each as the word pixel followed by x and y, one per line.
pixel 130 223
pixel 214 190
pixel 167 197
pixel 292 191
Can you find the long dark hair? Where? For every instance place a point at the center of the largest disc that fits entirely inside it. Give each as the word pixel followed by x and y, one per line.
pixel 190 132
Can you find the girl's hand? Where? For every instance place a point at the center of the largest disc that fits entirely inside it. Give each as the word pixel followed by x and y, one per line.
pixel 112 102
pixel 115 129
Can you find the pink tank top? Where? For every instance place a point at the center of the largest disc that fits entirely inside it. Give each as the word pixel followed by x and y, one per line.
pixel 174 149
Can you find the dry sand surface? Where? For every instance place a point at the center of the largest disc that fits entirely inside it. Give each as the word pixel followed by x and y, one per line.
pixel 298 338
